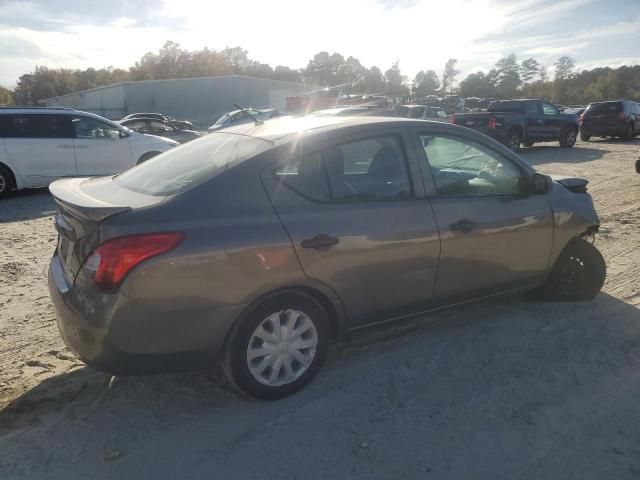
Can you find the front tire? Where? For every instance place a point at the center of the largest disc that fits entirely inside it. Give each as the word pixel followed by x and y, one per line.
pixel 584 137
pixel 278 347
pixel 629 133
pixel 568 138
pixel 578 274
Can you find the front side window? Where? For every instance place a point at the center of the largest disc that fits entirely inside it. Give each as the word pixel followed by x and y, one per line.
pixel 37 126
pixel 463 167
pixel 86 127
pixel 372 169
pixel 549 109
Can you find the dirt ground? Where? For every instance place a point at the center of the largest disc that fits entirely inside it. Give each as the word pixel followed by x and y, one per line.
pixel 506 388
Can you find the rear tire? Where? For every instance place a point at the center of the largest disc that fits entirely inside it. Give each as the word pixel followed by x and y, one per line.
pixel 146 157
pixel 295 349
pixel 6 182
pixel 578 274
pixel 629 133
pixel 584 137
pixel 513 142
pixel 568 138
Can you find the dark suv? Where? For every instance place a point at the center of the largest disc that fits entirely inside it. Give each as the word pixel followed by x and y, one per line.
pixel 610 119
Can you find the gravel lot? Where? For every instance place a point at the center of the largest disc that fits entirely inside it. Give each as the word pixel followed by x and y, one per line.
pixel 506 388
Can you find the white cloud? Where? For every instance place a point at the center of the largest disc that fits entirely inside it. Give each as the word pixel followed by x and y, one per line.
pixel 419 34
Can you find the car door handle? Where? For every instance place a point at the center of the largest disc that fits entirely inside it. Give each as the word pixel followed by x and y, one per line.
pixel 463 225
pixel 320 242
pixel 82 146
pixel 65 146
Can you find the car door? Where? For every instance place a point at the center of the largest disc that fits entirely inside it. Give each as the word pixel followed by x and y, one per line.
pixel 535 120
pixel 354 210
pixel 496 236
pixel 40 147
pixel 99 148
pixel 553 124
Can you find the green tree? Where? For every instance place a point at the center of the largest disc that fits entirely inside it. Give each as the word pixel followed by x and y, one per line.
pixel 395 82
pixel 477 85
pixel 425 83
pixel 529 69
pixel 372 81
pixel 508 80
pixel 6 98
pixel 449 75
pixel 564 68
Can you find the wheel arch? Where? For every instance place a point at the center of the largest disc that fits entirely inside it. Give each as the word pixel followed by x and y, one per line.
pixel 146 156
pixel 12 175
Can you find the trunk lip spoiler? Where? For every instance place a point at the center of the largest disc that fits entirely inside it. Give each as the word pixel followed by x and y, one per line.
pixel 68 194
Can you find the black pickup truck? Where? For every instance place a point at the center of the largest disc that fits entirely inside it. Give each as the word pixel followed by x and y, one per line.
pixel 515 122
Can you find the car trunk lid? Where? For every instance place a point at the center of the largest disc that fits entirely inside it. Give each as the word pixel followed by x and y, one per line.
pixel 83 204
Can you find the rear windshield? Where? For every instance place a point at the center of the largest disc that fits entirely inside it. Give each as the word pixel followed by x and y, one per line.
pixel 186 166
pixel 505 107
pixel 606 107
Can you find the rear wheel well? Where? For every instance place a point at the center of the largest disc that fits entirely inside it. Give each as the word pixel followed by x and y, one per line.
pixel 12 176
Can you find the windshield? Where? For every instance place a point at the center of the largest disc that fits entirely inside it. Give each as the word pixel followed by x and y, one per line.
pixel 189 165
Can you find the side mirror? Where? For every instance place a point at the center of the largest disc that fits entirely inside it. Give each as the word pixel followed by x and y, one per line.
pixel 541 184
pixel 114 134
pixel 638 166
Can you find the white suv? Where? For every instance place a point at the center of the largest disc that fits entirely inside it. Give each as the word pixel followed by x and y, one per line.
pixel 40 145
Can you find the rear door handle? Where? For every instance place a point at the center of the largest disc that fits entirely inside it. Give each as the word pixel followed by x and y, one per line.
pixel 463 226
pixel 65 146
pixel 320 242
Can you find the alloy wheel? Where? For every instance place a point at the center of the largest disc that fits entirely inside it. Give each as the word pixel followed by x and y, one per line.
pixel 514 143
pixel 3 183
pixel 571 137
pixel 282 348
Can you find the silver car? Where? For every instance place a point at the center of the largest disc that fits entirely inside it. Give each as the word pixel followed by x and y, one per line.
pixel 256 246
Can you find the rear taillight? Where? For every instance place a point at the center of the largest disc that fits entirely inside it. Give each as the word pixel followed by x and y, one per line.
pixel 492 122
pixel 110 263
pixel 581 119
pixel 621 116
pixel 453 119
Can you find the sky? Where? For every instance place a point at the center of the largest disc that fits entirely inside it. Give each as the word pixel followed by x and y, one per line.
pixel 419 34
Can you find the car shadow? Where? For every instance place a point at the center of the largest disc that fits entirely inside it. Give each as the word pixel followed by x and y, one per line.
pixel 27 204
pixel 542 154
pixel 85 392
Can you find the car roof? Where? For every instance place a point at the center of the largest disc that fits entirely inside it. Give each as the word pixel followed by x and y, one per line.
pixel 278 129
pixel 137 119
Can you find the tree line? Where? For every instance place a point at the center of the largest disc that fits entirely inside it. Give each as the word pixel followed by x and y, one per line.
pixel 509 78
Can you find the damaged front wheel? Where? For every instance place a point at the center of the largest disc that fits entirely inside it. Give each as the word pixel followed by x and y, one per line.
pixel 578 274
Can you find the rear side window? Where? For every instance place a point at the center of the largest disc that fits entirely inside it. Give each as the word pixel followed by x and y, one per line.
pixel 505 107
pixel 35 126
pixel 184 167
pixel 604 108
pixel 371 169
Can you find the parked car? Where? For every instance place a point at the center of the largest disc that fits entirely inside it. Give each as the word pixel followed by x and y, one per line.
pixel 180 124
pixel 423 112
pixel 619 118
pixel 238 117
pixel 153 126
pixel 39 145
pixel 515 122
pixel 257 245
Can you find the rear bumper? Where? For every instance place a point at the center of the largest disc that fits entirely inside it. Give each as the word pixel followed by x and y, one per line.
pixel 605 130
pixel 113 333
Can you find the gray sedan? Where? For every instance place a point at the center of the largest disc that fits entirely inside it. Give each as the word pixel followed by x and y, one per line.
pixel 256 246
